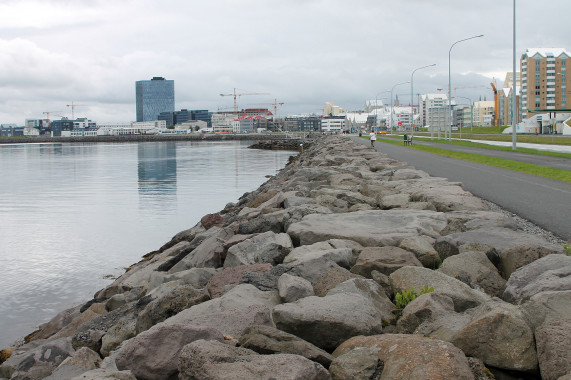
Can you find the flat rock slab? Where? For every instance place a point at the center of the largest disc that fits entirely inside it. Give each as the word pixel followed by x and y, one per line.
pixel 370 228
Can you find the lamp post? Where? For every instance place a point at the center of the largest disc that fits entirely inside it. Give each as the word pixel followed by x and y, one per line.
pixel 412 97
pixel 450 80
pixel 514 108
pixel 391 116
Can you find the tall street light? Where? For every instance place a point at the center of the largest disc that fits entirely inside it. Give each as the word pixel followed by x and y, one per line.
pixel 391 117
pixel 514 108
pixel 450 80
pixel 412 97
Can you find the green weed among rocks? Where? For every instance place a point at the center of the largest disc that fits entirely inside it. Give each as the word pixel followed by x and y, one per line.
pixel 404 297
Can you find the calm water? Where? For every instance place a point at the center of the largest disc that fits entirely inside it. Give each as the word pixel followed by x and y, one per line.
pixel 70 214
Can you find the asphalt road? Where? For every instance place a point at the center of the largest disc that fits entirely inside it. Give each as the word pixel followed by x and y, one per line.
pixel 543 201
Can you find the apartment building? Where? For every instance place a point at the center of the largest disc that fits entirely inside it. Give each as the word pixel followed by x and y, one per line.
pixel 483 113
pixel 545 84
pixel 333 124
pixel 434 111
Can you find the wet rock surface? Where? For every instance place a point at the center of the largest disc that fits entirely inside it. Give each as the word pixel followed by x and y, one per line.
pixel 298 279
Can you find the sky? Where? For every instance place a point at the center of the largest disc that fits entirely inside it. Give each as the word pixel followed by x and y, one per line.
pixel 303 53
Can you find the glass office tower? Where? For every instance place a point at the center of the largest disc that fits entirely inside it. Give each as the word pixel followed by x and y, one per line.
pixel 153 97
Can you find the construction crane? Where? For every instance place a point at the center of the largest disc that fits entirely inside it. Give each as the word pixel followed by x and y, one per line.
pixel 235 95
pixel 275 104
pixel 72 105
pixel 496 103
pixel 48 113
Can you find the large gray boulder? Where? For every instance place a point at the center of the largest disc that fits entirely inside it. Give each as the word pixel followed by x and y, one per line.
pixel 550 273
pixel 37 360
pixel 368 228
pixel 240 296
pixel 269 340
pixel 499 335
pixel 449 198
pixel 291 288
pixel 371 291
pixel 547 307
pixel 331 279
pixel 228 278
pixel 153 354
pixel 169 304
pixel 208 254
pixel 328 321
pixel 268 247
pixel 501 239
pixel 422 248
pixel 385 260
pixel 80 362
pixel 476 270
pixel 553 350
pixel 429 313
pixel 463 296
pixel 342 252
pixel 407 357
pixel 232 322
pixel 211 360
pixel 359 363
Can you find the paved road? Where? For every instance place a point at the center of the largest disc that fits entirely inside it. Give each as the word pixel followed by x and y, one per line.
pixel 543 201
pixel 554 162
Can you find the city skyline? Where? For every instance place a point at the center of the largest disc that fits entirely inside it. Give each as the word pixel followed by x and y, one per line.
pixel 303 53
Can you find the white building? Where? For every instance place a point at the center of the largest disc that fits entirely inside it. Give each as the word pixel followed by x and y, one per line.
pixel 135 128
pixel 434 112
pixel 223 122
pixel 332 124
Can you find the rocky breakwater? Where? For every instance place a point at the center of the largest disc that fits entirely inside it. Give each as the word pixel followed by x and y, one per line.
pixel 299 280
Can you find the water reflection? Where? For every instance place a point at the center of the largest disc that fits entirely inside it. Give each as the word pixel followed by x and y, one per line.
pixel 157 178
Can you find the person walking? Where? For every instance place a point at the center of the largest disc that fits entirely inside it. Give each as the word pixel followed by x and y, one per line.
pixel 373 138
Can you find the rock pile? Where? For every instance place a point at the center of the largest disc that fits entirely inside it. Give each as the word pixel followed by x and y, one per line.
pixel 298 281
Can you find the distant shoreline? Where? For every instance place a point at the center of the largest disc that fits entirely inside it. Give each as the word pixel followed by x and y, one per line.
pixel 139 138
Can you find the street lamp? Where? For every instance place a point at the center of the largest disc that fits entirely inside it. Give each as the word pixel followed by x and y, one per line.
pixel 514 98
pixel 412 97
pixel 450 80
pixel 391 117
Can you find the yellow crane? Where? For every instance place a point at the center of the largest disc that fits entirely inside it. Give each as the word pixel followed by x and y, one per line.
pixel 72 105
pixel 236 95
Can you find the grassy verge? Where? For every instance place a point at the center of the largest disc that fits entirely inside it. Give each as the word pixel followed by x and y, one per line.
pixel 487 146
pixel 533 139
pixel 522 167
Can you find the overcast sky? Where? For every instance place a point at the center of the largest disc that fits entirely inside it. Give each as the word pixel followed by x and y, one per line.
pixel 301 52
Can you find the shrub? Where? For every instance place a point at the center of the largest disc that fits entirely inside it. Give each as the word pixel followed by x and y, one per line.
pixel 405 296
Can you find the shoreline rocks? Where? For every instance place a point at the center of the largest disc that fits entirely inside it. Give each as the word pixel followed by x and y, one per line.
pixel 297 279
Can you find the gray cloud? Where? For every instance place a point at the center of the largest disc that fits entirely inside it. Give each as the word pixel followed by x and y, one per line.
pixel 302 52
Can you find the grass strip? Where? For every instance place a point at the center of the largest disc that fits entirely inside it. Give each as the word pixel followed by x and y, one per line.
pixel 533 139
pixel 522 167
pixel 486 146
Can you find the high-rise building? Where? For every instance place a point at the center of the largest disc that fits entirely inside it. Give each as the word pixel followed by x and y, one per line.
pixel 544 81
pixel 153 97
